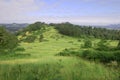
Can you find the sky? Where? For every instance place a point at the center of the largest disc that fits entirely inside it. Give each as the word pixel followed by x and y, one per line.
pixel 84 12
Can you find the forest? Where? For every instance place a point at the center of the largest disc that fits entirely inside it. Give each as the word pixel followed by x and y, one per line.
pixel 87 31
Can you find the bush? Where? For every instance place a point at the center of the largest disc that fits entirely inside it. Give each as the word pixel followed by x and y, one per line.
pixel 87 44
pixel 102 46
pixel 105 57
pixel 69 52
pixel 79 40
pixel 86 53
pixel 117 56
pixel 41 38
pixel 30 39
pixel 90 54
pixel 19 49
pixel 102 56
pixel 118 46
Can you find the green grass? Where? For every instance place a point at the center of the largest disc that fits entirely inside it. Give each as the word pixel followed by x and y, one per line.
pixel 57 69
pixel 38 62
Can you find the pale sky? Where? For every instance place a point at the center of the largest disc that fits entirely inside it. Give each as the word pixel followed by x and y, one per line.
pixel 90 12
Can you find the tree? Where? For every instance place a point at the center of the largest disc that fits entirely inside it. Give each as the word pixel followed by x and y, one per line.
pixel 41 38
pixel 102 45
pixel 118 46
pixel 8 41
pixel 87 31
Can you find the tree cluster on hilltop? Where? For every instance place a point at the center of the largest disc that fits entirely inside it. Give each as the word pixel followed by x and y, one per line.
pixel 87 31
pixel 32 27
pixel 76 30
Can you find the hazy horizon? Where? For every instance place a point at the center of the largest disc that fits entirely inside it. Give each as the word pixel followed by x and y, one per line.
pixel 84 12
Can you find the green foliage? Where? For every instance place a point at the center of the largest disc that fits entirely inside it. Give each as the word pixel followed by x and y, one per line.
pixel 102 56
pixel 85 53
pixel 79 40
pixel 94 55
pixel 86 31
pixel 34 27
pixel 117 56
pixel 8 41
pixel 118 46
pixel 102 46
pixel 87 44
pixel 30 39
pixel 68 52
pixel 41 38
pixel 19 49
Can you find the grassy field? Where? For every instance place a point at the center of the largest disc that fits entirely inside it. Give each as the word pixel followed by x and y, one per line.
pixel 39 62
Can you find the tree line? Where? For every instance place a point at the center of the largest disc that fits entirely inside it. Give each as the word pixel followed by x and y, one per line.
pixel 76 30
pixel 86 31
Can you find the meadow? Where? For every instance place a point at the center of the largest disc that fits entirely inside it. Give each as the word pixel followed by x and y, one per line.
pixel 39 61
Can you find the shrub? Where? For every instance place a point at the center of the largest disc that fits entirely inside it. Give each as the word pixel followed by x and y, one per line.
pixel 79 40
pixel 90 54
pixel 69 52
pixel 85 53
pixel 41 38
pixel 117 56
pixel 102 56
pixel 105 56
pixel 87 44
pixel 102 46
pixel 118 46
pixel 30 39
pixel 19 49
pixel 70 42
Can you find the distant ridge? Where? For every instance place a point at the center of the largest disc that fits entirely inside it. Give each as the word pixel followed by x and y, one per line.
pixel 114 26
pixel 13 27
pixel 111 26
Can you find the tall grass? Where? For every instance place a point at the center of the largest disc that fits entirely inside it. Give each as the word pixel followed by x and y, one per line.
pixel 59 70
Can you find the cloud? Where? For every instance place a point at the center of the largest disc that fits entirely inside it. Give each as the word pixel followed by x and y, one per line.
pixel 82 20
pixel 22 11
pixel 17 9
pixel 93 20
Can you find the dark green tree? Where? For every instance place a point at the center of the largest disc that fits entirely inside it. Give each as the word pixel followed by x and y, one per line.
pixel 118 46
pixel 102 45
pixel 41 38
pixel 87 31
pixel 8 41
pixel 87 44
pixel 30 39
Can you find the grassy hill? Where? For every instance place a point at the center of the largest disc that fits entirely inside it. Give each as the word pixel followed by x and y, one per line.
pixel 39 61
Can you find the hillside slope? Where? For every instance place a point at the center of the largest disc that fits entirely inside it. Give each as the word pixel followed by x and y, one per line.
pixel 39 60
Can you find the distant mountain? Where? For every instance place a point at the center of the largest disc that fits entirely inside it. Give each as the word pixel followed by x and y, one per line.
pixel 14 26
pixel 114 26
